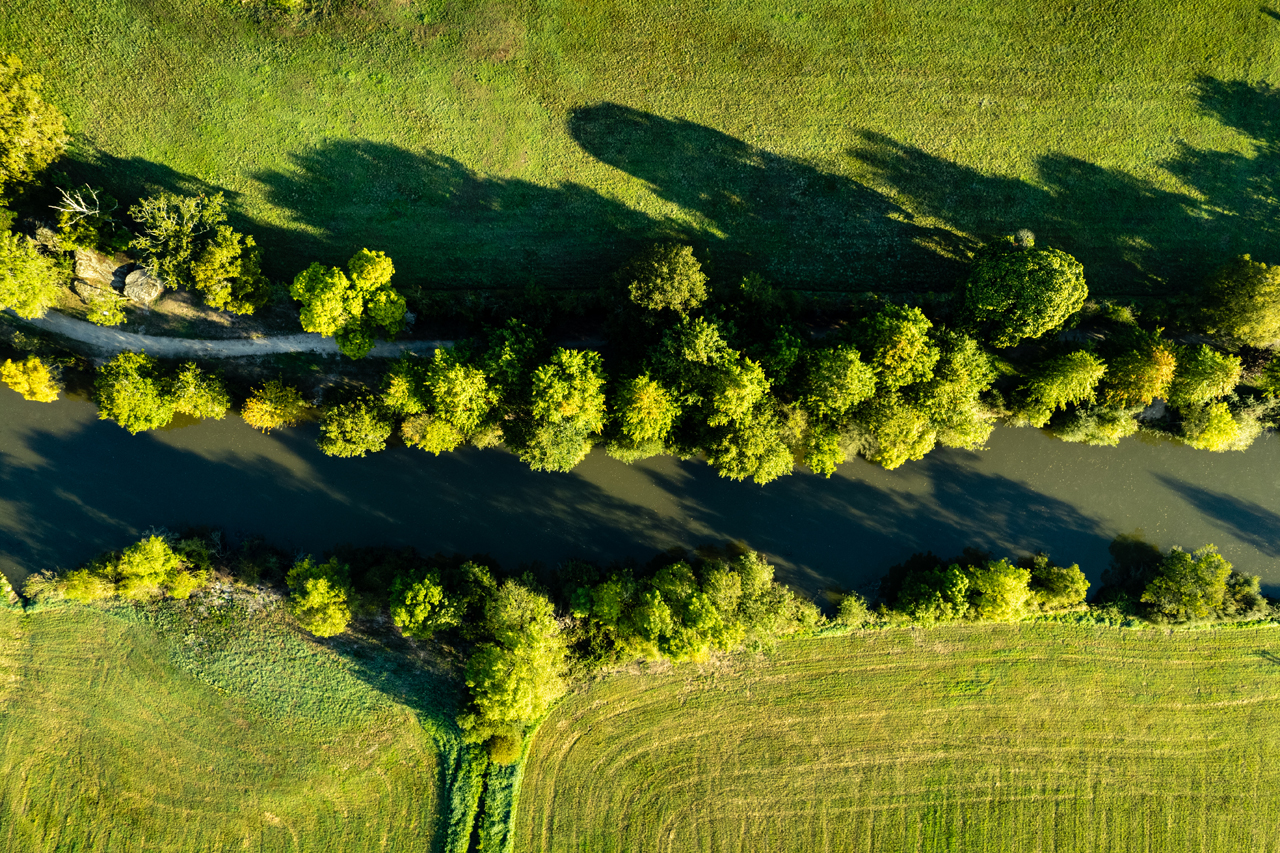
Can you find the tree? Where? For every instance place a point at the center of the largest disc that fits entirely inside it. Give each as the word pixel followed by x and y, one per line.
pixel 836 380
pixel 420 607
pixel 175 230
pixel 668 277
pixel 935 595
pixel 1099 426
pixel 1213 427
pixel 1023 293
pixel 517 673
pixel 1188 587
pixel 1202 373
pixel 351 308
pixel 1064 380
pixel 318 596
pixel 448 400
pixel 130 390
pixel 950 399
pixel 999 591
pixel 32 378
pixel 896 343
pixel 354 429
pixel 1242 301
pixel 28 279
pixel 32 131
pixel 1054 587
pixel 1141 371
pixel 645 412
pixel 199 394
pixel 567 407
pixel 228 271
pixel 901 431
pixel 274 405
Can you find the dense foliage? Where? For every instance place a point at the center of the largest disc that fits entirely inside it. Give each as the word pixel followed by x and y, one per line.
pixel 32 377
pixel 352 307
pixel 32 131
pixel 1018 293
pixel 28 279
pixel 135 391
pixel 1242 301
pixel 274 405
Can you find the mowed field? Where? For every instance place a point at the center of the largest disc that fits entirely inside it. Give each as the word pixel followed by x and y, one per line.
pixel 994 738
pixel 831 145
pixel 125 735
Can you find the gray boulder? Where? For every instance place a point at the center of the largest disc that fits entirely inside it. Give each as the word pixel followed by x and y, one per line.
pixel 142 287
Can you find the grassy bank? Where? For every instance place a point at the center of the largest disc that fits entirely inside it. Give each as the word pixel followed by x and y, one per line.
pixel 831 145
pixel 177 729
pixel 985 738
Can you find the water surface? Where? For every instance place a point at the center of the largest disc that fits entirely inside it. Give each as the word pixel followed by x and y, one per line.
pixel 74 485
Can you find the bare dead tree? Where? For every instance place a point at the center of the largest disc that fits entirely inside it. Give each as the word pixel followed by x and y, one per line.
pixel 81 204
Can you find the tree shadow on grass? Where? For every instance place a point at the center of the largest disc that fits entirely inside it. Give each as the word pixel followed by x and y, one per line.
pixel 1245 520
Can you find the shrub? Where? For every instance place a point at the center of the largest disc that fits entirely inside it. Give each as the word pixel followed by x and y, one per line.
pixel 852 610
pixel 273 406
pixel 318 596
pixel 146 568
pixel 8 598
pixel 84 586
pixel 504 748
pixel 33 378
pixel 199 394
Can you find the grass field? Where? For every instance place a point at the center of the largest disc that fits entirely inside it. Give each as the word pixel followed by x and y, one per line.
pixel 121 732
pixel 990 738
pixel 837 144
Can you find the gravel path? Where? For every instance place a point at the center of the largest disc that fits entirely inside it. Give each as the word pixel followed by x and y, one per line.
pixel 111 341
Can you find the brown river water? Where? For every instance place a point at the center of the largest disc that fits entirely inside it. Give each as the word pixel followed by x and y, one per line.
pixel 73 485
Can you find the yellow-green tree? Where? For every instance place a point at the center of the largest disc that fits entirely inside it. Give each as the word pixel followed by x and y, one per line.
pixel 32 131
pixel 1023 293
pixel 274 405
pixel 318 594
pixel 352 307
pixel 1242 301
pixel 33 378
pixel 28 279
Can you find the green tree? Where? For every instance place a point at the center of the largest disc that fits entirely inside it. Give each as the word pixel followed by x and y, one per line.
pixel 950 399
pixel 935 595
pixel 567 408
pixel 1023 293
pixel 33 378
pixel 318 595
pixel 667 277
pixel 199 394
pixel 228 271
pixel 645 412
pixel 354 429
pixel 130 390
pixel 897 345
pixel 1202 374
pixel 518 672
pixel 351 307
pixel 32 131
pixel 1140 371
pixel 28 279
pixel 1064 380
pixel 175 229
pixel 1242 301
pixel 999 591
pixel 420 607
pixel 146 568
pixel 1188 586
pixel 274 405
pixel 901 432
pixel 1099 426
pixel 1213 427
pixel 1054 587
pixel 836 380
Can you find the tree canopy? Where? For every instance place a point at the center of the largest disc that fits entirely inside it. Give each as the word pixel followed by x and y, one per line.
pixel 667 277
pixel 1242 301
pixel 28 279
pixel 32 131
pixel 318 594
pixel 1023 293
pixel 1061 381
pixel 352 307
pixel 32 377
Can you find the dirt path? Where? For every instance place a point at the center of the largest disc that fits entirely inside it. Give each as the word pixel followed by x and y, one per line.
pixel 110 341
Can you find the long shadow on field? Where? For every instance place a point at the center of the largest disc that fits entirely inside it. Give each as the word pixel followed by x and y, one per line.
pixel 445 224
pixel 766 213
pixel 1245 520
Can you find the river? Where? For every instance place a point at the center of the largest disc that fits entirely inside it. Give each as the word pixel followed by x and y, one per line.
pixel 74 485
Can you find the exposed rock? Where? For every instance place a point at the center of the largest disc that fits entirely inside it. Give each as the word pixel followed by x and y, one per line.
pixel 1154 412
pixel 47 239
pixel 141 286
pixel 409 319
pixel 90 292
pixel 96 268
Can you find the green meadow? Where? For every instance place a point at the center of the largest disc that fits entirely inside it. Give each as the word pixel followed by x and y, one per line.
pixel 176 730
pixel 1034 737
pixel 831 145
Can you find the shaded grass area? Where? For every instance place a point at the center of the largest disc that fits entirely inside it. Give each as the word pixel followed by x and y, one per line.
pixel 831 145
pixel 176 729
pixel 986 738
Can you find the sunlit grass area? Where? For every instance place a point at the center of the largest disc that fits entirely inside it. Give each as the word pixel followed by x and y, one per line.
pixel 178 730
pixel 982 738
pixel 830 145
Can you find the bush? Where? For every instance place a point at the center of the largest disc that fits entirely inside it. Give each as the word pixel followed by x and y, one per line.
pixel 1099 426
pixel 273 406
pixel 33 378
pixel 146 568
pixel 1242 302
pixel 1188 586
pixel 354 429
pixel 318 596
pixel 852 610
pixel 420 608
pixel 1023 293
pixel 8 598
pixel 198 394
pixel 504 749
